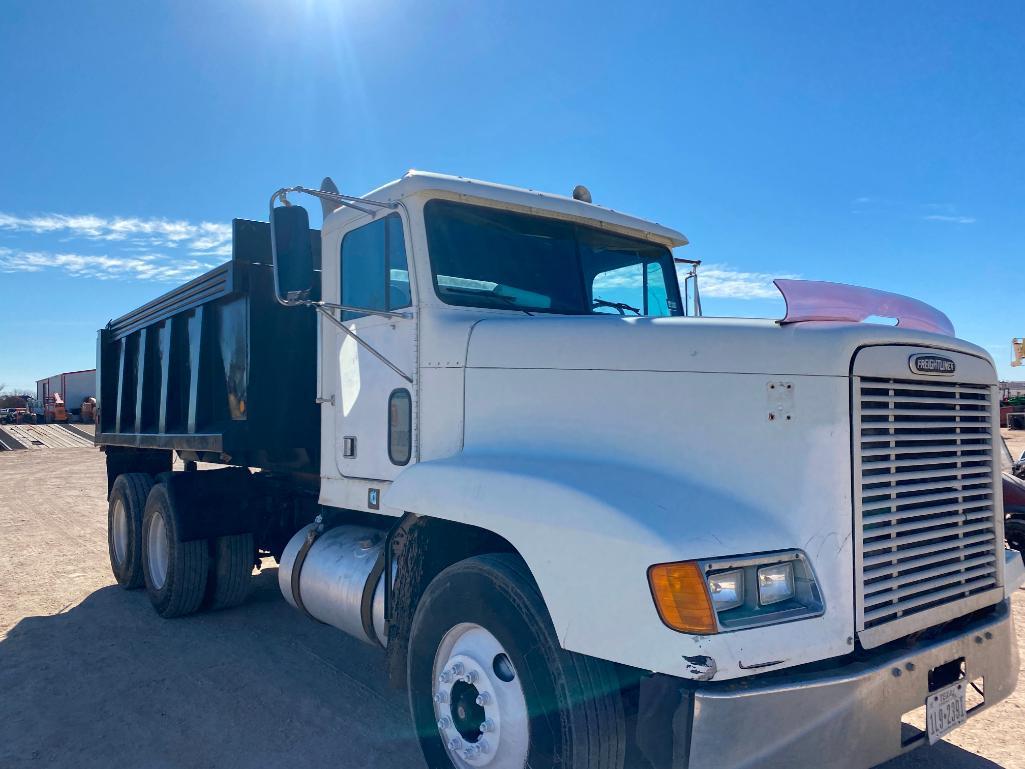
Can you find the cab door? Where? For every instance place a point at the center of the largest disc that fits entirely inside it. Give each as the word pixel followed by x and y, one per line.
pixel 374 405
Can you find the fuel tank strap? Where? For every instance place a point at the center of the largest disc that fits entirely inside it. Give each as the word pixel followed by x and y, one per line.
pixel 366 609
pixel 297 566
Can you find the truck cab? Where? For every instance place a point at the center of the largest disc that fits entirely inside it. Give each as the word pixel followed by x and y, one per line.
pixel 529 487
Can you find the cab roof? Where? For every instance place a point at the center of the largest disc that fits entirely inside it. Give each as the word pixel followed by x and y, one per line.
pixel 415 182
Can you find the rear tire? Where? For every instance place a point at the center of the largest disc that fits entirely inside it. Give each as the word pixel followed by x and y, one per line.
pixel 484 618
pixel 175 572
pixel 125 508
pixel 231 571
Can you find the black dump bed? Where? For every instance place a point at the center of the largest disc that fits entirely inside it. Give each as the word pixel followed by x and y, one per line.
pixel 216 368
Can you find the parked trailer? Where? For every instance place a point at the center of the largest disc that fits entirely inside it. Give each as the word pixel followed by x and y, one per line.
pixel 498 444
pixel 73 387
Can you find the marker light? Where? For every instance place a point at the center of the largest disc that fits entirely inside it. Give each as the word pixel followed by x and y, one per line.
pixel 775 583
pixel 681 597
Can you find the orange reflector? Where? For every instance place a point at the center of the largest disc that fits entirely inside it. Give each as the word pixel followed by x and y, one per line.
pixel 681 597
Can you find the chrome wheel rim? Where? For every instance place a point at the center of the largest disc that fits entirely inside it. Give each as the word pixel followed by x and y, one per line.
pixel 119 530
pixel 158 553
pixel 479 705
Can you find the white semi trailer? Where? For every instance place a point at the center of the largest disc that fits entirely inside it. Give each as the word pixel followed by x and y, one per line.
pixel 589 527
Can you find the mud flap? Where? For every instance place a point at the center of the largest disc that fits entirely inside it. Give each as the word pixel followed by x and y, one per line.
pixel 664 710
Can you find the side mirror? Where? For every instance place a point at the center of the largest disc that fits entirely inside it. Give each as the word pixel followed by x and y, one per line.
pixel 292 251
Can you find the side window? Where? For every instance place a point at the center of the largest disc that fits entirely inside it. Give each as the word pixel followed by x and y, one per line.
pixel 635 289
pixel 400 427
pixel 374 271
pixel 623 286
pixel 399 295
pixel 656 296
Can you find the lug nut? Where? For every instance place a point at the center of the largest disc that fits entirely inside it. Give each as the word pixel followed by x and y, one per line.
pixel 483 699
pixel 470 751
pixel 458 669
pixel 483 745
pixel 444 723
pixel 445 677
pixel 454 743
pixel 487 726
pixel 472 677
pixel 441 698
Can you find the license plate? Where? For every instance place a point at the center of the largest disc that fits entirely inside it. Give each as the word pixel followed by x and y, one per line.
pixel 945 710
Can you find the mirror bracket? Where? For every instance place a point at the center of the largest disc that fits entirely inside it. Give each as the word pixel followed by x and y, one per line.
pixel 322 308
pixel 297 298
pixel 327 309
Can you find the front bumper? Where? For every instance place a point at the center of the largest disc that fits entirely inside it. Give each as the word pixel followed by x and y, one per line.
pixel 844 717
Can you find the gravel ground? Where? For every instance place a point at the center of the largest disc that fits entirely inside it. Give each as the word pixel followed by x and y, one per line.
pixel 91 677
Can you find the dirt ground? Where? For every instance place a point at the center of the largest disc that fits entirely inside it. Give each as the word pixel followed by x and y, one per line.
pixel 91 677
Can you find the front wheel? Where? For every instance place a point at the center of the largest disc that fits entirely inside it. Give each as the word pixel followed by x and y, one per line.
pixel 490 686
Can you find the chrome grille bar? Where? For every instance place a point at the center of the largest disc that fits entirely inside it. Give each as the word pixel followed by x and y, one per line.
pixel 924 500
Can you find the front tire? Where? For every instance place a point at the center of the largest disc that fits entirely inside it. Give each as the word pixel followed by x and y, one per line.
pixel 489 684
pixel 175 572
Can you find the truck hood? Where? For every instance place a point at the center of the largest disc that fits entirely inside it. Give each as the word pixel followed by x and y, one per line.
pixel 698 345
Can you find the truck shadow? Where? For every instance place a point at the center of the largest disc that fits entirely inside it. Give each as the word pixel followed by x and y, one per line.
pixel 942 755
pixel 108 683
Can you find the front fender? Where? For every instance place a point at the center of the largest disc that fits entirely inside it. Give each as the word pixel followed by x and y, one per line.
pixel 589 530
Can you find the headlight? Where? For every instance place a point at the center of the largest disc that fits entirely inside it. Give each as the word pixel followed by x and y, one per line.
pixel 775 583
pixel 727 589
pixel 735 593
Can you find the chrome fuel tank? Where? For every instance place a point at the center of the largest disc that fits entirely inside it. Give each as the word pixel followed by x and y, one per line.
pixel 334 575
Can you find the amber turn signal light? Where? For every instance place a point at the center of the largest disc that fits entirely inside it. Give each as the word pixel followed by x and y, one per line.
pixel 681 597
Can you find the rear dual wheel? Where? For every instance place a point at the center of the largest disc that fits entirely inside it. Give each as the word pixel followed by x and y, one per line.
pixel 231 571
pixel 183 577
pixel 125 510
pixel 490 685
pixel 175 571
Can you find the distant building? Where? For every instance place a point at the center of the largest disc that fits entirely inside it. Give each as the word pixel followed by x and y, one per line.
pixel 1011 389
pixel 73 387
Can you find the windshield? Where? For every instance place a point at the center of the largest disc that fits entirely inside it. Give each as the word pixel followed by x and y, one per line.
pixel 486 257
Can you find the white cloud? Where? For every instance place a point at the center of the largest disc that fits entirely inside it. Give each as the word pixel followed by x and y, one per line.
pixel 723 282
pixel 951 219
pixel 202 239
pixel 156 267
pixel 940 211
pixel 718 281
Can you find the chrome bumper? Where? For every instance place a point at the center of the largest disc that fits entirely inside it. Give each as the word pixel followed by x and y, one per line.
pixel 847 717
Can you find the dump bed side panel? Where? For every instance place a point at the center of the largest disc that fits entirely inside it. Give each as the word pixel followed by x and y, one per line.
pixel 215 367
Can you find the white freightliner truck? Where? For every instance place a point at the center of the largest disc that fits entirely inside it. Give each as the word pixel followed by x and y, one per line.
pixel 483 428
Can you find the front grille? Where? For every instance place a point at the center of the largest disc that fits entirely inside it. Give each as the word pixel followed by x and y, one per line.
pixel 926 505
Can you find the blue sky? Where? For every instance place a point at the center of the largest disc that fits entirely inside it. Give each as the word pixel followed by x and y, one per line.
pixel 881 144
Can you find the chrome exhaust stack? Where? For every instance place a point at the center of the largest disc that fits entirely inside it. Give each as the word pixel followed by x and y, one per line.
pixel 340 579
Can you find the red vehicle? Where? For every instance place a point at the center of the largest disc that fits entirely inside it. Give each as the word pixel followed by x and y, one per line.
pixel 1014 500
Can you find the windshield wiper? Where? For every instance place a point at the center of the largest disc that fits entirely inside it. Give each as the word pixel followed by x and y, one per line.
pixel 488 294
pixel 512 300
pixel 621 306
